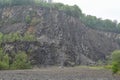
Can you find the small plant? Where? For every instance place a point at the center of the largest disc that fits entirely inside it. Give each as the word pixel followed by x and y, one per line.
pixel 35 21
pixel 28 19
pixel 1 37
pixel 29 37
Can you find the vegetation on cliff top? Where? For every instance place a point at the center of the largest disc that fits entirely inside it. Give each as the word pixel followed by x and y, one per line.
pixel 88 20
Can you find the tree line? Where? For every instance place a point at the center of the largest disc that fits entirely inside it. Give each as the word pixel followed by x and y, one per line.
pixel 100 24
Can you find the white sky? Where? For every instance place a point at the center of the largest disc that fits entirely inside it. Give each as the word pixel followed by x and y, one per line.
pixel 105 9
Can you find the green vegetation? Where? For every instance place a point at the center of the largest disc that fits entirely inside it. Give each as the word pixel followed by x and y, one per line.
pixel 35 21
pixel 99 24
pixel 4 60
pixel 28 19
pixel 15 60
pixel 69 10
pixel 92 67
pixel 20 61
pixel 4 3
pixel 11 37
pixel 116 61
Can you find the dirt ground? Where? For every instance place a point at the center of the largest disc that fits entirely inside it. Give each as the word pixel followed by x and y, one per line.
pixel 55 73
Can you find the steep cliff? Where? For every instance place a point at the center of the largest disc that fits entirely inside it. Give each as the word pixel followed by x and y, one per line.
pixel 61 39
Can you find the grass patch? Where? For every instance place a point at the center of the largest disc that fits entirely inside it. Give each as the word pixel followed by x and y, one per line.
pixel 108 66
pixel 92 67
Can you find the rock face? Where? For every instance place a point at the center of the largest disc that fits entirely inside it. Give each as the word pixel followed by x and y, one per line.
pixel 61 39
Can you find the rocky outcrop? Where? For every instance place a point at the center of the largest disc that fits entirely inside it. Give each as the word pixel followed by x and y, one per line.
pixel 112 35
pixel 61 39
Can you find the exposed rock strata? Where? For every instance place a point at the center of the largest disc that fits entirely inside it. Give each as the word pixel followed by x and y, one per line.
pixel 61 39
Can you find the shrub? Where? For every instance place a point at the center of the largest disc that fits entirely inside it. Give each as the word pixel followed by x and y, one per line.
pixel 35 21
pixel 28 19
pixel 115 67
pixel 4 60
pixel 29 37
pixel 116 61
pixel 4 66
pixel 21 61
pixel 1 37
pixel 11 37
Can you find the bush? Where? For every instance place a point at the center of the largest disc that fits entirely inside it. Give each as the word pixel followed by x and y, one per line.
pixel 115 67
pixel 28 19
pixel 4 66
pixel 11 37
pixel 29 37
pixel 21 61
pixel 1 37
pixel 35 21
pixel 4 61
pixel 116 61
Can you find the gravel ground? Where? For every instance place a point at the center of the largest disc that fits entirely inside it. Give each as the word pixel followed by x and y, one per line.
pixel 55 73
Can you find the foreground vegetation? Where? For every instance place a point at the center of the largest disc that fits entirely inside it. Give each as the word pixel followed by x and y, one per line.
pixel 116 61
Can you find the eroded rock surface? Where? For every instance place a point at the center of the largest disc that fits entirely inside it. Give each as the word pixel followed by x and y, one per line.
pixel 61 39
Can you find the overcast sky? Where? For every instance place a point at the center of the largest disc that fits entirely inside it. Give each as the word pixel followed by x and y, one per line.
pixel 105 9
